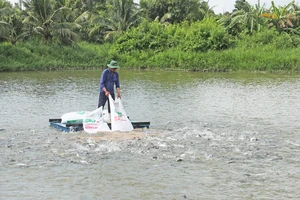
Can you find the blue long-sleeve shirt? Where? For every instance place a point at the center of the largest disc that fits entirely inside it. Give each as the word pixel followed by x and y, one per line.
pixel 108 80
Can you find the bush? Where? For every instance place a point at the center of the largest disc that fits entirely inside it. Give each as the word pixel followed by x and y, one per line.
pixel 199 36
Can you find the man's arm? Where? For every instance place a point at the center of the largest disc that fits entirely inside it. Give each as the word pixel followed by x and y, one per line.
pixel 107 93
pixel 118 92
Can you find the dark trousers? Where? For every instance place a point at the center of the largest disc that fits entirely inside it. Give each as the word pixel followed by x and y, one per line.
pixel 102 100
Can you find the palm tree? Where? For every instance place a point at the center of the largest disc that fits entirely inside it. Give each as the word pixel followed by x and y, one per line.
pixel 45 20
pixel 10 24
pixel 119 17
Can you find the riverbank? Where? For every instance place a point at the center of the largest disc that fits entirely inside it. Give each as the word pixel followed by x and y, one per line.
pixel 31 56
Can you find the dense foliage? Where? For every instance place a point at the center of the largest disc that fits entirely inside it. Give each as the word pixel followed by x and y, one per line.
pixel 198 36
pixel 177 34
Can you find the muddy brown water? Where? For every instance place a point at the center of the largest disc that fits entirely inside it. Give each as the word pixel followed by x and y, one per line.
pixel 212 136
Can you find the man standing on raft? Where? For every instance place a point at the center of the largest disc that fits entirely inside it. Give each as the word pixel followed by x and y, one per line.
pixel 109 79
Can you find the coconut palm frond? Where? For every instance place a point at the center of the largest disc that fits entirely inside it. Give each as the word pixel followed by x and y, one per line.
pixel 67 25
pixel 4 30
pixel 39 30
pixel 83 18
pixel 94 31
pixel 6 11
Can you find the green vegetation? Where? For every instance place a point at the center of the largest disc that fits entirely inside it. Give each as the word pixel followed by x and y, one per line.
pixel 169 34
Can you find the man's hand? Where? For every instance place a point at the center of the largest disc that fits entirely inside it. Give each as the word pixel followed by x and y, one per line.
pixel 107 93
pixel 119 95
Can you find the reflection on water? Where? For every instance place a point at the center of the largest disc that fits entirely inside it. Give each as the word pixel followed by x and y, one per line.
pixel 212 136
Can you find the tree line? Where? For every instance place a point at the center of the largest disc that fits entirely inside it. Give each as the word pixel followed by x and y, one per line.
pixel 142 30
pixel 69 21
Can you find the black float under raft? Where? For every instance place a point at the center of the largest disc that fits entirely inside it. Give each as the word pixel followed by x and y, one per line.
pixel 56 123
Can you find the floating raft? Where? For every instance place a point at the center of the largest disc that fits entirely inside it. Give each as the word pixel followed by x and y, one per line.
pixel 56 123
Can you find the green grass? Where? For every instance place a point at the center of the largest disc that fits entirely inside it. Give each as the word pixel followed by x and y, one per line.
pixel 32 55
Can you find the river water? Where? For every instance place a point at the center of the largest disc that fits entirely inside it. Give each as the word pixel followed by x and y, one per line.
pixel 212 136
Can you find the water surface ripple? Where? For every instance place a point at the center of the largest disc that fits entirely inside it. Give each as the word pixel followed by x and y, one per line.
pixel 212 136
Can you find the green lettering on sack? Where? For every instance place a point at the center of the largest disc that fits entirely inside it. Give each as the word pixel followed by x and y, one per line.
pixel 119 113
pixel 71 121
pixel 74 121
pixel 88 120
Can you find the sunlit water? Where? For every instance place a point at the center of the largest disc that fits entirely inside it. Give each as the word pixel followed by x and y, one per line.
pixel 212 136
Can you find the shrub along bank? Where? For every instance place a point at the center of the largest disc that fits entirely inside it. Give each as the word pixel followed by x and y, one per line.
pixel 200 46
pixel 30 56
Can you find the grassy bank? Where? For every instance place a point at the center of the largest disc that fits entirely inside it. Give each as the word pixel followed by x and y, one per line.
pixel 36 56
